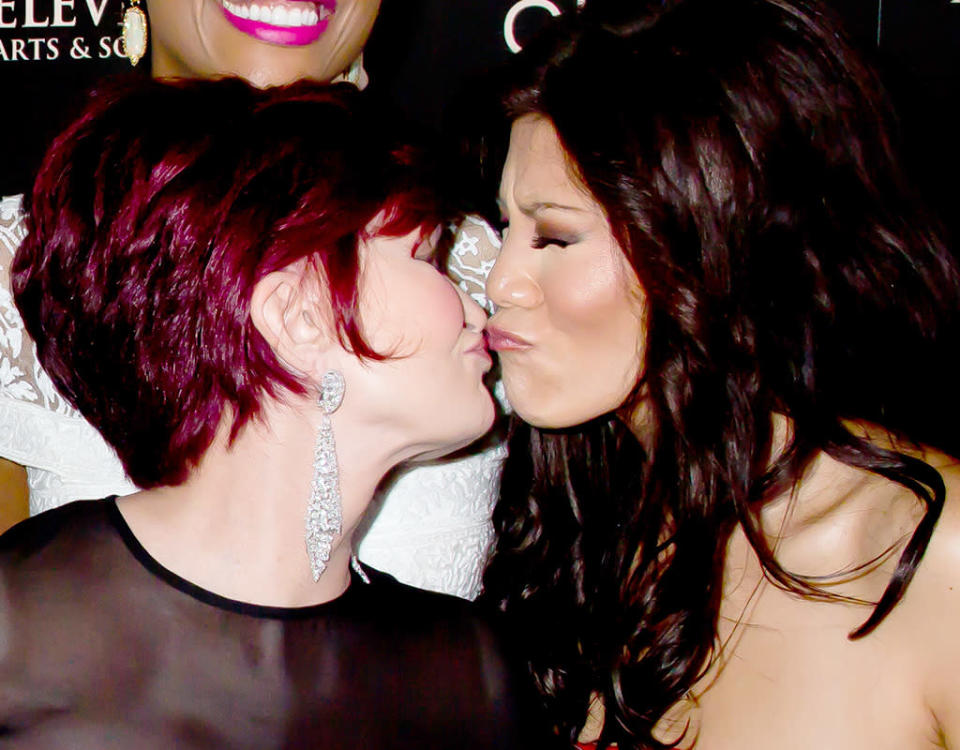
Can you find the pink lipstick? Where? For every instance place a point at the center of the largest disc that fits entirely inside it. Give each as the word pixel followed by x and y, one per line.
pixel 503 341
pixel 291 23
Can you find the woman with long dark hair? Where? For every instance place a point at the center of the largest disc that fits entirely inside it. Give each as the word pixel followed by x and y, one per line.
pixel 727 518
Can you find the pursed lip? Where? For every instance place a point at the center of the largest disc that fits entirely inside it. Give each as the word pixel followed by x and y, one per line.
pixel 500 340
pixel 480 349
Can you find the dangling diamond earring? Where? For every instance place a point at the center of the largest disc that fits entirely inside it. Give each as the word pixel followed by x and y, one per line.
pixel 134 32
pixel 324 513
pixel 356 74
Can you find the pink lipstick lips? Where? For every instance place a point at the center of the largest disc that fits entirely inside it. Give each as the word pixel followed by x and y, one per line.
pixel 291 23
pixel 503 341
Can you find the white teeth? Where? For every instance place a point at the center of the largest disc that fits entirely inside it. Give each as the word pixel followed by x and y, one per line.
pixel 309 15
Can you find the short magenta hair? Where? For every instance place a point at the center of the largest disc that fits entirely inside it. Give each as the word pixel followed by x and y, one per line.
pixel 155 214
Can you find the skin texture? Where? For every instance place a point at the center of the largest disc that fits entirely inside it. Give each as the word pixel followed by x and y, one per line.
pixel 192 38
pixel 575 301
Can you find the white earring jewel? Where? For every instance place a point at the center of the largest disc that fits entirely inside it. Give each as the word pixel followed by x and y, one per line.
pixel 134 32
pixel 356 74
pixel 324 512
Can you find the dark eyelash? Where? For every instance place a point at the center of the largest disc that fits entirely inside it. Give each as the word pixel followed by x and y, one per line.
pixel 540 242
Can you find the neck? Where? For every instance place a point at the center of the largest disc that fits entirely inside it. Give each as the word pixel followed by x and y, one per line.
pixel 834 519
pixel 164 65
pixel 838 521
pixel 236 526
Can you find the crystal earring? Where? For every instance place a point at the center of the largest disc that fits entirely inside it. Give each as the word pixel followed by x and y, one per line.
pixel 356 73
pixel 134 32
pixel 324 513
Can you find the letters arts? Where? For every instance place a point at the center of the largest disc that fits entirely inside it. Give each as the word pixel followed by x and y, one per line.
pixel 42 31
pixel 41 14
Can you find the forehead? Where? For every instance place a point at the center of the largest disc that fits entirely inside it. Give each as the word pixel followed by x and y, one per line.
pixel 537 168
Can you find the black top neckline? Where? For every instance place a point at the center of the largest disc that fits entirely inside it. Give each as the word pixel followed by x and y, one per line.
pixel 263 611
pixel 106 649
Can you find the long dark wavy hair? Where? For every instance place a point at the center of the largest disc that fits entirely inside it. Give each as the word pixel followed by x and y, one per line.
pixel 745 157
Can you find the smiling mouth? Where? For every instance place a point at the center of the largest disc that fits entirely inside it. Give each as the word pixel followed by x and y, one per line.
pixel 283 22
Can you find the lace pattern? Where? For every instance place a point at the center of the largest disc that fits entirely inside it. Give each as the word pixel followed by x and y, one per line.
pixel 472 257
pixel 433 527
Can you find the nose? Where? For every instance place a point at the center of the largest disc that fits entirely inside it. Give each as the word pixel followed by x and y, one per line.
pixel 474 316
pixel 512 282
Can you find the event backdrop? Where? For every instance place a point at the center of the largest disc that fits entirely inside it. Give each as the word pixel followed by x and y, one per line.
pixel 424 52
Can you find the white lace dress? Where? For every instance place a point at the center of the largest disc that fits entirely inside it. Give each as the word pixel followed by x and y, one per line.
pixel 433 526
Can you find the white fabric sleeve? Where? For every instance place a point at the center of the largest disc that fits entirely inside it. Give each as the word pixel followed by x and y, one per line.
pixel 66 459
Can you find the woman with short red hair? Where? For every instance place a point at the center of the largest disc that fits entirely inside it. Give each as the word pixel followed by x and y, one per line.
pixel 240 292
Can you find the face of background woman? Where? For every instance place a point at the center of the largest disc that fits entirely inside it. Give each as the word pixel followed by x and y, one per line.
pixel 569 320
pixel 429 396
pixel 288 39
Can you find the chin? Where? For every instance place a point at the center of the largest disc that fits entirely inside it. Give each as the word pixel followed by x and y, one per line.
pixel 544 417
pixel 272 73
pixel 468 433
pixel 534 412
pixel 560 408
pixel 542 421
pixel 480 427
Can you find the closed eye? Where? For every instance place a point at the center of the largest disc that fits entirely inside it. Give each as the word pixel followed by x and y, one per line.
pixel 541 241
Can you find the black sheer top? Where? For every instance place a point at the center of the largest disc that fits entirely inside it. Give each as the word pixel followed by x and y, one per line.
pixel 102 647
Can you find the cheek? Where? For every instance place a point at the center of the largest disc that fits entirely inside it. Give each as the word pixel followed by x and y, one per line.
pixel 413 313
pixel 440 313
pixel 171 24
pixel 352 25
pixel 590 299
pixel 595 313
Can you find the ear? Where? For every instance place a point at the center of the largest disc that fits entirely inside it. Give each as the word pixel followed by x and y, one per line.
pixel 288 310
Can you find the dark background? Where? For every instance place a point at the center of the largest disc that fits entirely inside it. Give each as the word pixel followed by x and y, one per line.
pixel 422 52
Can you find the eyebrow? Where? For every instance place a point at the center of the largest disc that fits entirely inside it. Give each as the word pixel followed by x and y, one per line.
pixel 537 207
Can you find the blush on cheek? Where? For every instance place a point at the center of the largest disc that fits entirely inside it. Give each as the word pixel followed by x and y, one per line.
pixel 441 305
pixel 585 298
pixel 429 316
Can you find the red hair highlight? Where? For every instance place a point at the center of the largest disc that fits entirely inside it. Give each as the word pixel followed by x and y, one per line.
pixel 152 218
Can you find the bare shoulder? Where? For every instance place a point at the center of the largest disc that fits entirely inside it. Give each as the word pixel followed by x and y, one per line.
pixel 932 612
pixel 942 559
